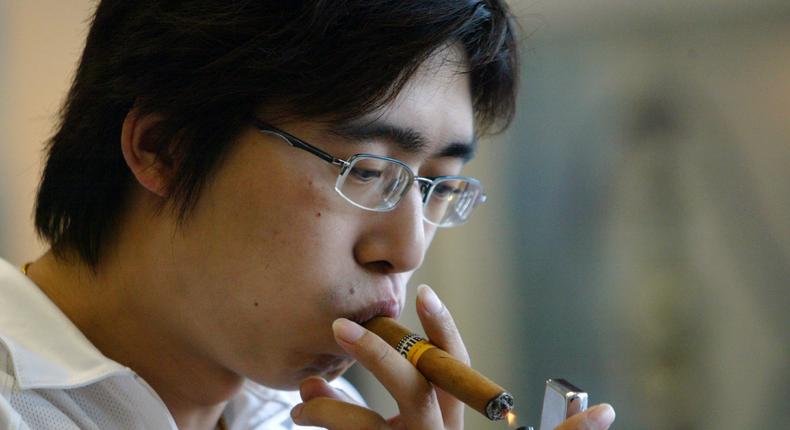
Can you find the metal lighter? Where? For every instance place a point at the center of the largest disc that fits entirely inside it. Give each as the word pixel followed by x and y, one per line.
pixel 560 401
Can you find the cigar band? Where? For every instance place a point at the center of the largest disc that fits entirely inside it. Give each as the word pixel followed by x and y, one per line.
pixel 412 347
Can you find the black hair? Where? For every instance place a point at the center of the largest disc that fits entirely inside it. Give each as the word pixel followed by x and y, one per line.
pixel 206 66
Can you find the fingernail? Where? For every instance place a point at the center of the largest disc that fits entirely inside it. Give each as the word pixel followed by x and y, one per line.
pixel 296 411
pixel 601 415
pixel 307 380
pixel 429 299
pixel 347 331
pixel 315 377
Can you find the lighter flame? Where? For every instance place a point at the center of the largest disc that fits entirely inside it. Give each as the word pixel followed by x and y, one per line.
pixel 511 419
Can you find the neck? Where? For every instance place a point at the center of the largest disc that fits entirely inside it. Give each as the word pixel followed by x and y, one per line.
pixel 110 309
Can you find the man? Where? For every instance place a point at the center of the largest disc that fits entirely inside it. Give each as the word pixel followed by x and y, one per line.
pixel 233 188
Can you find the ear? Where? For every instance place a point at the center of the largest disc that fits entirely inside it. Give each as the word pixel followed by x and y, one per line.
pixel 141 151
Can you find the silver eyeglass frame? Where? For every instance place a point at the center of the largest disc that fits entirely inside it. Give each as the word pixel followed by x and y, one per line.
pixel 426 185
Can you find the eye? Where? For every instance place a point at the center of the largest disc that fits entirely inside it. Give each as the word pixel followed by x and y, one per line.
pixel 364 175
pixel 444 190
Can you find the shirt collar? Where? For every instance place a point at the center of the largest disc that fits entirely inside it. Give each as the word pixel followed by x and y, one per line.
pixel 47 350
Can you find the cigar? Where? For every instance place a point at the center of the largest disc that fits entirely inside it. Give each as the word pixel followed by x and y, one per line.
pixel 444 371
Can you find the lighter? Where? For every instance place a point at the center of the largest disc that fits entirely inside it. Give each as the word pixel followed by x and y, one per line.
pixel 560 401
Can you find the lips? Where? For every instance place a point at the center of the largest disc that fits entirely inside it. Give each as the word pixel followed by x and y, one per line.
pixel 387 308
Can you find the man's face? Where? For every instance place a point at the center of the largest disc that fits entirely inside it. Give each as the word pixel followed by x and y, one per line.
pixel 272 254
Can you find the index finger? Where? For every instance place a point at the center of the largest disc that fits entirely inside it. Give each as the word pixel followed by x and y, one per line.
pixel 440 328
pixel 439 325
pixel 415 396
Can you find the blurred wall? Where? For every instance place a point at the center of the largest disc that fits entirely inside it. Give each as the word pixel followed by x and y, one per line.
pixel 636 240
pixel 40 42
pixel 651 162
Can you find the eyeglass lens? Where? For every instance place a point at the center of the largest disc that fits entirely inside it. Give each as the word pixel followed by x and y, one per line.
pixel 374 183
pixel 451 201
pixel 379 184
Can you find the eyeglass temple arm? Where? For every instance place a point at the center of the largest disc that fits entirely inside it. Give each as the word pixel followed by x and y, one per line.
pixel 298 143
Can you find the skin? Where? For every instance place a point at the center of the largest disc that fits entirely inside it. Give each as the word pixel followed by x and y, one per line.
pixel 259 280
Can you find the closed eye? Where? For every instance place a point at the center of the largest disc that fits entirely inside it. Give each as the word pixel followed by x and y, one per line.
pixel 445 190
pixel 365 175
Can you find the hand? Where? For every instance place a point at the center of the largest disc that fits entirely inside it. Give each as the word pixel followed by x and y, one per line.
pixel 421 405
pixel 599 417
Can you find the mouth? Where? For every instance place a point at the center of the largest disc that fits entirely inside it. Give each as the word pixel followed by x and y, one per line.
pixel 387 308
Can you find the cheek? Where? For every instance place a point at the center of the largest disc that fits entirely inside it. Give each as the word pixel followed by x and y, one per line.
pixel 257 228
pixel 430 233
pixel 284 205
pixel 292 237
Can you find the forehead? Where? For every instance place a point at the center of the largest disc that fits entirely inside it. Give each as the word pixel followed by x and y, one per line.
pixel 436 102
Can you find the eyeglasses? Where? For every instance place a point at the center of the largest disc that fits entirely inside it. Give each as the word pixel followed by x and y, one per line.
pixel 377 183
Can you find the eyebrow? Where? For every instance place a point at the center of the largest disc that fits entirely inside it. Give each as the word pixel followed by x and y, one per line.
pixel 407 139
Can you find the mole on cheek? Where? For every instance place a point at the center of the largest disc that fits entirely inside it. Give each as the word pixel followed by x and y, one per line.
pixel 318 214
pixel 352 291
pixel 256 303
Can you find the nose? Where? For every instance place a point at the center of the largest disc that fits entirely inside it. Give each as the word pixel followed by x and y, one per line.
pixel 395 241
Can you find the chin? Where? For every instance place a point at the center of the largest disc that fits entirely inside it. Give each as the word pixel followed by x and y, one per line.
pixel 327 367
pixel 334 374
pixel 328 370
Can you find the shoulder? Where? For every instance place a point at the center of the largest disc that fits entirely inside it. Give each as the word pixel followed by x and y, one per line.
pixel 260 407
pixel 257 393
pixel 9 418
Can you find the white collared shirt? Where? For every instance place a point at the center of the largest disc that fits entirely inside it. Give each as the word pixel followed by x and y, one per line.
pixel 52 377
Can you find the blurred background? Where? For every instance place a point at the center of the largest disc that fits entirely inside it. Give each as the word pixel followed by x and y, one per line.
pixel 637 235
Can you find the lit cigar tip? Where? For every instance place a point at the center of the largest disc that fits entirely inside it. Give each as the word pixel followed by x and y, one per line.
pixel 499 407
